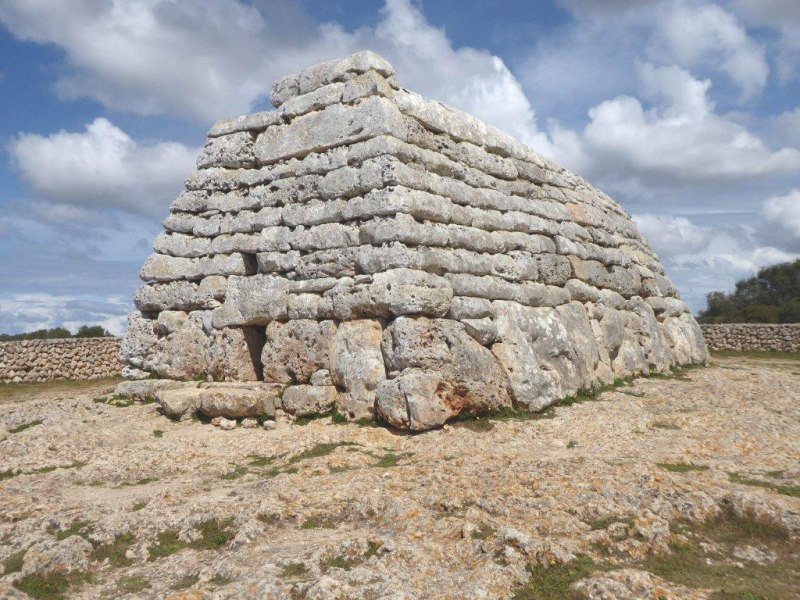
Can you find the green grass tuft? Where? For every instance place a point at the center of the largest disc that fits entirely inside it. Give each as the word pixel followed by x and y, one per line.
pixel 215 534
pixel 235 474
pixel 786 490
pixel 158 433
pixel 51 586
pixel 168 544
pixel 681 467
pixel 318 451
pixel 142 481
pixel 18 391
pixel 219 580
pixel 116 400
pixel 132 584
pixel 391 459
pixel 320 522
pixel 185 582
pixel 268 519
pixel 81 528
pixel 257 460
pixel 294 570
pixel 484 532
pixel 115 551
pixel 25 426
pixel 478 423
pixel 688 564
pixel 139 505
pixel 664 424
pixel 554 583
pixel 338 418
pixel 339 562
pixel 13 564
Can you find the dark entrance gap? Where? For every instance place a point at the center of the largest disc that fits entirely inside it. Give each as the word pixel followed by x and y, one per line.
pixel 255 338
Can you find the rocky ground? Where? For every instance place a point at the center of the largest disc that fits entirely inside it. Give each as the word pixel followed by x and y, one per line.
pixel 680 487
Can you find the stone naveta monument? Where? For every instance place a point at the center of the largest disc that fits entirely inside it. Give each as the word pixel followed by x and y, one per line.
pixel 364 249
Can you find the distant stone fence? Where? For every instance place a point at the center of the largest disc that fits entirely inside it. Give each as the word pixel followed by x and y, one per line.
pixel 753 336
pixel 72 358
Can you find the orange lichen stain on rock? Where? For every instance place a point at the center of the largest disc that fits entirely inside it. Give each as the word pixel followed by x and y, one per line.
pixel 454 397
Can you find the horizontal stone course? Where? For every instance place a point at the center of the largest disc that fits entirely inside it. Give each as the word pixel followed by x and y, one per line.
pixel 493 209
pixel 30 361
pixel 784 337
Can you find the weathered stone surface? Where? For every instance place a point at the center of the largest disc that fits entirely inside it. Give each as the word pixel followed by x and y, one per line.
pixel 356 366
pixel 476 382
pixel 389 254
pixel 181 295
pixel 56 556
pixel 303 400
pixel 294 351
pixel 234 400
pixel 161 268
pixel 178 403
pixel 392 293
pixel 144 390
pixel 139 341
pixel 234 150
pixel 334 126
pixel 685 339
pixel 254 122
pixel 233 354
pixel 547 353
pixel 323 74
pixel 417 400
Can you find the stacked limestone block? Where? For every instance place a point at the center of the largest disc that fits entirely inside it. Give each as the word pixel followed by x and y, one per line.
pixel 71 358
pixel 769 337
pixel 364 248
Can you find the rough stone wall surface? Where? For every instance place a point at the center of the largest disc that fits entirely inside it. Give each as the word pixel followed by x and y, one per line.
pixel 364 248
pixel 753 336
pixel 45 360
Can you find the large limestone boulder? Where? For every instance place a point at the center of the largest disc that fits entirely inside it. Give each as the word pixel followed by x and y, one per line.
pixel 439 371
pixel 366 250
pixel 357 367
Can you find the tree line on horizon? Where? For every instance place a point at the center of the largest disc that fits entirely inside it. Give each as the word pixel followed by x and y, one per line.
pixel 772 296
pixel 85 331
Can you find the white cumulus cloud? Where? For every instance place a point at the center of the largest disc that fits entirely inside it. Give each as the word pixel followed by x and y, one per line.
pixel 671 236
pixel 188 58
pixel 693 34
pixel 677 137
pixel 782 16
pixel 204 60
pixel 780 224
pixel 99 168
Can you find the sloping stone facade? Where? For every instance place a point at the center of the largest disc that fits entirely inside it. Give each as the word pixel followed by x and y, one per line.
pixel 363 248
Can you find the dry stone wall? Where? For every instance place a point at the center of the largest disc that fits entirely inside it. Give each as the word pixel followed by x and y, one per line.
pixel 753 336
pixel 45 360
pixel 363 248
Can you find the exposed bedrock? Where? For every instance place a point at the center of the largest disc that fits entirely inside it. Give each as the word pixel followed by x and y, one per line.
pixel 364 250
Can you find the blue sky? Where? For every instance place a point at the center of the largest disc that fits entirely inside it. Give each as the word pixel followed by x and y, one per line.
pixel 687 112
